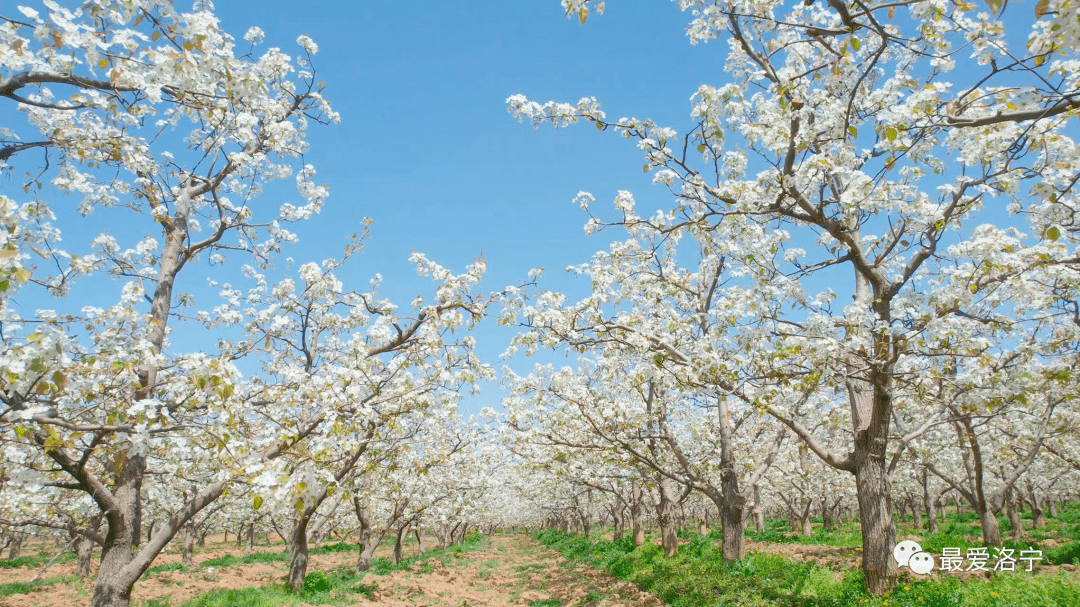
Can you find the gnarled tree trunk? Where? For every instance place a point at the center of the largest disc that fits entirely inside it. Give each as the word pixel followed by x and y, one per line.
pixel 637 523
pixel 665 514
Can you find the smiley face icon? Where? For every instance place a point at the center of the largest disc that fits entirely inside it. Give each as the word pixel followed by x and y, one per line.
pixel 921 563
pixel 903 551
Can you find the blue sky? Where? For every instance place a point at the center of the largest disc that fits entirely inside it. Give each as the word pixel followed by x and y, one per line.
pixel 427 150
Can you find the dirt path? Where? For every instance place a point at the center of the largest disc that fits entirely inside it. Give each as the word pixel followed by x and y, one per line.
pixel 504 570
pixel 508 570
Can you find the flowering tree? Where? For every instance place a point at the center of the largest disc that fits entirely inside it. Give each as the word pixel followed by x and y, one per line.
pixel 839 153
pixel 351 373
pixel 140 106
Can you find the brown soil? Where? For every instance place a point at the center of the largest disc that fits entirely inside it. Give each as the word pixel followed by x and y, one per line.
pixel 504 570
pixel 508 570
pixel 179 586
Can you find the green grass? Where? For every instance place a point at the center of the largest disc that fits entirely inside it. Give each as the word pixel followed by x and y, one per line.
pixel 26 587
pixel 337 587
pixel 591 597
pixel 698 577
pixel 332 548
pixel 165 567
pixel 1065 528
pixel 33 561
pixel 255 557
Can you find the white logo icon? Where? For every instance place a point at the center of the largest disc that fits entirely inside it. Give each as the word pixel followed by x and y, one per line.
pixel 921 563
pixel 903 551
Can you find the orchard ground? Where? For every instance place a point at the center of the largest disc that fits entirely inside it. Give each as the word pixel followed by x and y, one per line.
pixel 506 569
pixel 782 568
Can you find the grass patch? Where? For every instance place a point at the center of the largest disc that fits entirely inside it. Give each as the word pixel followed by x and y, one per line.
pixel 165 567
pixel 698 577
pixel 33 561
pixel 26 587
pixel 255 557
pixel 334 548
pixel 337 587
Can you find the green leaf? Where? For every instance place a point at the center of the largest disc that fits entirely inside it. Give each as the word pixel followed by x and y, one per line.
pixel 996 5
pixel 853 131
pixel 855 44
pixel 1052 234
pixel 890 133
pixel 1041 8
pixel 257 502
pixel 702 147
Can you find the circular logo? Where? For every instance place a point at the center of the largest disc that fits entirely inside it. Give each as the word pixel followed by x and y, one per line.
pixel 904 550
pixel 921 563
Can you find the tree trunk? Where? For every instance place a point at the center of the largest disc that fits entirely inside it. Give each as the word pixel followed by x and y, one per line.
pixel 250 538
pixel 665 513
pixel 15 547
pixel 916 514
pixel 113 588
pixel 586 524
pixel 440 533
pixel 875 518
pixel 1014 516
pixel 421 545
pixel 805 520
pixel 188 537
pixel 733 503
pixel 1051 508
pixel 617 521
pixel 398 543
pixel 637 522
pixel 84 550
pixel 759 515
pixel 792 517
pixel 1037 520
pixel 298 564
pixel 367 549
pixel 826 515
pixel 929 503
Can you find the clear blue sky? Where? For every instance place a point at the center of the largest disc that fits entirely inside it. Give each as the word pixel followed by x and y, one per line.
pixel 427 150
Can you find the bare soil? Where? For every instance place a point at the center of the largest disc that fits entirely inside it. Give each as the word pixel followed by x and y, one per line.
pixel 509 570
pixel 505 570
